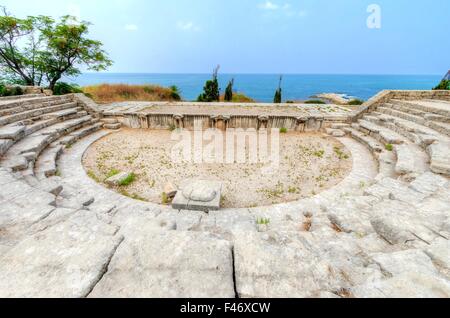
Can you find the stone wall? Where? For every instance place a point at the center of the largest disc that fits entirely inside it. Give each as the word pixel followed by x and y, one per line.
pixel 170 121
pixel 305 122
pixel 386 95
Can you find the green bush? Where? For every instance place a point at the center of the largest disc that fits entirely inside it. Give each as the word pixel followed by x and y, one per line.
pixel 62 88
pixel 2 89
pixel 211 90
pixel 443 85
pixel 229 91
pixel 13 91
pixel 175 93
pixel 315 101
pixel 17 91
pixel 283 130
pixel 355 102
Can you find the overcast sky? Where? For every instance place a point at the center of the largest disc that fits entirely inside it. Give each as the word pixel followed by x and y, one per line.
pixel 259 36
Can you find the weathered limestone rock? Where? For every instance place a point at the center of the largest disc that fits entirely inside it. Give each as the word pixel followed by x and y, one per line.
pixel 411 161
pixel 405 261
pixel 66 260
pixel 352 215
pixel 428 183
pixel 5 144
pixel 269 267
pixel 439 252
pixel 170 190
pixel 335 132
pixel 115 126
pixel 440 157
pixel 407 285
pixel 118 178
pixel 198 195
pixel 169 264
pixel 12 132
pixel 389 188
pixel 400 223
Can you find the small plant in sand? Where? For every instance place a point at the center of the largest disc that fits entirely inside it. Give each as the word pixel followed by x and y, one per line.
pixel 112 173
pixel 319 153
pixel 262 221
pixel 389 147
pixel 164 198
pixel 293 190
pixel 223 199
pixel 128 180
pixel 283 130
pixel 340 154
pixel 91 174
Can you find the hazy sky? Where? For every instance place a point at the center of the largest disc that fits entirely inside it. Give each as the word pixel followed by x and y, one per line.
pixel 259 36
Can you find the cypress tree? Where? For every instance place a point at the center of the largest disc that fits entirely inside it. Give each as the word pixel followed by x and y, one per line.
pixel 229 91
pixel 278 93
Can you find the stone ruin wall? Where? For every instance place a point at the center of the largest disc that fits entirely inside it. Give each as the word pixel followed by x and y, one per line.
pixel 308 123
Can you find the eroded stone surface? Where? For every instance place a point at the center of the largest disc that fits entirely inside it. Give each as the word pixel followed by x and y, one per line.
pixel 65 260
pixel 384 236
pixel 169 264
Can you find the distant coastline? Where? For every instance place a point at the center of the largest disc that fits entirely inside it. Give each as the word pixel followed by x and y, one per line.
pixel 261 87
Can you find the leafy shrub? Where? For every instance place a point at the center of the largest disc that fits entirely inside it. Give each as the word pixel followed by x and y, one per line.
pixel 211 90
pixel 389 147
pixel 175 93
pixel 2 89
pixel 17 91
pixel 11 91
pixel 62 88
pixel 283 130
pixel 355 102
pixel 443 85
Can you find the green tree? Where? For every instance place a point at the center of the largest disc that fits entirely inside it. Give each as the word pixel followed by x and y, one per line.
pixel 229 91
pixel 38 50
pixel 175 93
pixel 443 85
pixel 211 91
pixel 278 93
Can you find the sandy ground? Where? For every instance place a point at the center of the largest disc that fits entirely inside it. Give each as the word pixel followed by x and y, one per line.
pixel 309 164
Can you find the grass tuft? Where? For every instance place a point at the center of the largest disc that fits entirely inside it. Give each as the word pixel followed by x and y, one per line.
pixel 128 180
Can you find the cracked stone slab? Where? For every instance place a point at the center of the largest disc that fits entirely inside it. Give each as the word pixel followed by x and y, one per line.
pixel 405 261
pixel 198 195
pixel 407 285
pixel 63 261
pixel 13 132
pixel 440 157
pixel 271 266
pixel 169 264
